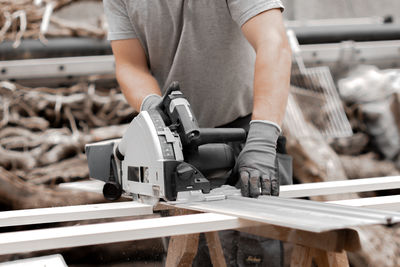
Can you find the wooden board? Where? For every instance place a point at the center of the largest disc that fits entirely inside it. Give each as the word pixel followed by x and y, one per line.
pixel 306 215
pixel 82 235
pixel 51 261
pixel 73 213
pixel 340 187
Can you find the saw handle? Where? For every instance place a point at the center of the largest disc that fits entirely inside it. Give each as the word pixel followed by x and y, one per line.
pixel 178 110
pixel 220 135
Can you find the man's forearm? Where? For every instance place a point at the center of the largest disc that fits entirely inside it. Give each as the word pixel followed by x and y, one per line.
pixel 266 33
pixel 271 81
pixel 136 84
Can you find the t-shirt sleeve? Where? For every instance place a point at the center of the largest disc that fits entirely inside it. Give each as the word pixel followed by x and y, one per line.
pixel 243 10
pixel 119 24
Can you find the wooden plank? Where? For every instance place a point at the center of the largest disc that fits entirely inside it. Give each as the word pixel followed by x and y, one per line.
pixel 52 260
pixel 82 235
pixel 391 203
pixel 340 187
pixel 73 213
pixel 335 241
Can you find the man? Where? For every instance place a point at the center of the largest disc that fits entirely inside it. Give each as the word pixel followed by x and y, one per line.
pixel 231 58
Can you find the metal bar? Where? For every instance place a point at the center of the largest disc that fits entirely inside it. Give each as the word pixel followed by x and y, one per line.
pixel 54 47
pixel 339 33
pixel 316 54
pixel 382 53
pixel 307 32
pixel 56 67
pixel 73 236
pixel 297 214
pixel 73 213
pixel 382 203
pixel 340 187
pixel 334 22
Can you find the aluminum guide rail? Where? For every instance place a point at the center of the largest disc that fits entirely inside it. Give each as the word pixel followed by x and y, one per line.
pixel 73 213
pixel 295 213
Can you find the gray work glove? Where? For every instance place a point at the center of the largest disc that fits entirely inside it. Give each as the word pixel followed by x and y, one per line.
pixel 256 162
pixel 150 102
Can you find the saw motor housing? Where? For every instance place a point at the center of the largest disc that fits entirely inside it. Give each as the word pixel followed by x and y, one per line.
pixel 163 152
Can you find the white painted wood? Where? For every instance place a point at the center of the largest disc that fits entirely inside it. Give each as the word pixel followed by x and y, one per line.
pixel 50 261
pixel 73 236
pixel 94 186
pixel 73 213
pixel 340 187
pixel 391 203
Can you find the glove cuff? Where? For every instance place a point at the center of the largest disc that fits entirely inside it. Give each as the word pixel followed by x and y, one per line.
pixel 269 123
pixel 150 101
pixel 261 134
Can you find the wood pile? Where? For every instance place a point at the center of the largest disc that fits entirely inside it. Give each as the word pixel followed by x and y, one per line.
pixel 43 132
pixel 34 19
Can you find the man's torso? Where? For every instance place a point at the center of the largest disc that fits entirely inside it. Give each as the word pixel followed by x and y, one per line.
pixel 198 44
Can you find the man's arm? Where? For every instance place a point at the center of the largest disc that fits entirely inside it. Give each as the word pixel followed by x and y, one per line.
pixel 132 72
pixel 257 161
pixel 266 33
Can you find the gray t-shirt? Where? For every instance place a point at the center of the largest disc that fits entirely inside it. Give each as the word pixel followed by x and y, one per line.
pixel 198 43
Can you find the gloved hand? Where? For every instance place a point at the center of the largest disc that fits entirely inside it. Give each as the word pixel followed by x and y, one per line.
pixel 150 102
pixel 256 162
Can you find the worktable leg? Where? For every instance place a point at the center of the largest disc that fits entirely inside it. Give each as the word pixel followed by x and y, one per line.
pixel 215 248
pixel 182 250
pixel 330 259
pixel 301 256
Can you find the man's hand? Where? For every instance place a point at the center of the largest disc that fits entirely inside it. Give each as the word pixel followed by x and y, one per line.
pixel 256 162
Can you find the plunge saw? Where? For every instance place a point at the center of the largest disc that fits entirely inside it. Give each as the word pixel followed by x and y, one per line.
pixel 164 153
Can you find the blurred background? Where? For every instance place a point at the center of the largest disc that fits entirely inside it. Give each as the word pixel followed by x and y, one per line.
pixel 58 92
pixel 327 9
